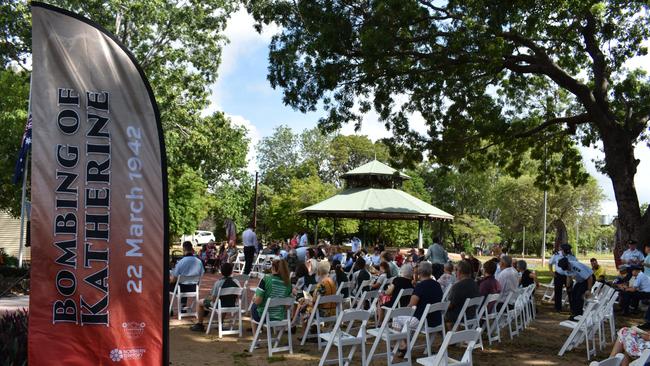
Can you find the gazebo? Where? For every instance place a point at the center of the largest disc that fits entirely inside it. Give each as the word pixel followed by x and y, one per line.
pixel 373 193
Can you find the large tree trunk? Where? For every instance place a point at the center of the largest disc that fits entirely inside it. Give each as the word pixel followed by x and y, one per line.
pixel 620 165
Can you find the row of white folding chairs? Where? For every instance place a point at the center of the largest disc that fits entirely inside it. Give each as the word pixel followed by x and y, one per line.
pixel 591 324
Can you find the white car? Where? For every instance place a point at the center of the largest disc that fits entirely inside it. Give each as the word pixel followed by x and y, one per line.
pixel 200 237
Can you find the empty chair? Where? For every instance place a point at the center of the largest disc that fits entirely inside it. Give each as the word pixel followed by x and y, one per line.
pixel 612 361
pixel 315 317
pixel 468 337
pixel 392 337
pixel 341 338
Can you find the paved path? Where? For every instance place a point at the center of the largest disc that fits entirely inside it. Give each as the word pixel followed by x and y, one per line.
pixel 14 303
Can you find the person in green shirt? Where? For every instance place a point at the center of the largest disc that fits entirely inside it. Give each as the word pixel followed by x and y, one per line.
pixel 278 284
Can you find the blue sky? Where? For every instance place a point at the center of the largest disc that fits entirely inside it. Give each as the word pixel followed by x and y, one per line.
pixel 243 92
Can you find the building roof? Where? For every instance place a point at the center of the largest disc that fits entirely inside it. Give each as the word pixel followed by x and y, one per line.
pixel 375 167
pixel 374 203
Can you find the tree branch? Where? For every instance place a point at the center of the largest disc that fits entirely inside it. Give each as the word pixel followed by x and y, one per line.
pixel 571 121
pixel 601 74
pixel 546 66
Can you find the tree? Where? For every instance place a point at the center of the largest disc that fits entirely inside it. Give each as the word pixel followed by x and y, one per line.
pixel 351 151
pixel 14 93
pixel 492 80
pixel 472 231
pixel 178 44
pixel 278 157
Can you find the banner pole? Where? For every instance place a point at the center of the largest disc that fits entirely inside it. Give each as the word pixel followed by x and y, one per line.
pixel 22 214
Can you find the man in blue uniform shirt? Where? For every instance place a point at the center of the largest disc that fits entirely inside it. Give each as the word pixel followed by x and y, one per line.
pixel 559 277
pixel 583 278
pixel 640 290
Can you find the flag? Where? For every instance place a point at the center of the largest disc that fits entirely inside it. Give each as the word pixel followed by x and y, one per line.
pixel 25 145
pixel 99 214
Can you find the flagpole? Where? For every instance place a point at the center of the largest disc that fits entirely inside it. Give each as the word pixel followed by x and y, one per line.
pixel 22 214
pixel 21 245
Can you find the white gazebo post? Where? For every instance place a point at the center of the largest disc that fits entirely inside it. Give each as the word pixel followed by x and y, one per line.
pixel 420 223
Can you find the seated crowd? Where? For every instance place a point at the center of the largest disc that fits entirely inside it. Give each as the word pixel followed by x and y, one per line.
pixel 324 268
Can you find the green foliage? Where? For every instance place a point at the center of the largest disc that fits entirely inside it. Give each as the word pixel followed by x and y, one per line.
pixel 189 205
pixel 493 81
pixel 13 338
pixel 178 44
pixel 475 231
pixel 14 94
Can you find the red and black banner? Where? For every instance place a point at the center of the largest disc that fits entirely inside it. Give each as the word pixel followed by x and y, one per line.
pixel 99 200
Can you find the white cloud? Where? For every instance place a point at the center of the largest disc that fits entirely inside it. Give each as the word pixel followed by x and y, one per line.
pixel 641 180
pixel 243 39
pixel 254 135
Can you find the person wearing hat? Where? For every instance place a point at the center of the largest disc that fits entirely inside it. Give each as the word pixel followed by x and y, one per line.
pixel 640 290
pixel 559 276
pixel 583 278
pixel 632 256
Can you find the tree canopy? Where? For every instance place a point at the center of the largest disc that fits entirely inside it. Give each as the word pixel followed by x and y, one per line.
pixel 178 44
pixel 492 80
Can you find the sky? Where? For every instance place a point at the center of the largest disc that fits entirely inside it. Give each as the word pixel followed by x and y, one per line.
pixel 243 92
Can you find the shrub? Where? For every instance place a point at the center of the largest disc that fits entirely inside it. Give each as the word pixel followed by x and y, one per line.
pixel 13 338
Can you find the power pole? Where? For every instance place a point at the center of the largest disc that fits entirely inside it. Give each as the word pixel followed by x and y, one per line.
pixel 255 204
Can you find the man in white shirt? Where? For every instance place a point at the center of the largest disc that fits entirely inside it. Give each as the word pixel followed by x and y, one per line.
pixel 304 239
pixel 188 266
pixel 508 277
pixel 632 255
pixel 583 279
pixel 249 238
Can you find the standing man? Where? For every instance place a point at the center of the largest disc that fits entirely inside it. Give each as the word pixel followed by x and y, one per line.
pixel 559 277
pixel 437 255
pixel 583 278
pixel 303 239
pixel 249 238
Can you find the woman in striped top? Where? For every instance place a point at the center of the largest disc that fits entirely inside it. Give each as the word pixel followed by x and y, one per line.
pixel 277 284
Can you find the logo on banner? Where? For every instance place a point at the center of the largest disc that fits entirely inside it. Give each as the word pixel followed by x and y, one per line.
pixel 133 329
pixel 118 355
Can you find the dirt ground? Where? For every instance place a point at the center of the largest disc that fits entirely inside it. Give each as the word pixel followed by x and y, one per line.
pixel 537 345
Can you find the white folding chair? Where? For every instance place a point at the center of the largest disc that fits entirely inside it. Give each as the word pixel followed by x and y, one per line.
pixel 274 325
pixel 608 316
pixel 177 295
pixel 429 332
pixel 468 337
pixel 496 318
pixel 389 335
pixel 549 291
pixel 612 361
pixel 316 319
pixel 402 293
pixel 345 289
pixel 467 320
pixel 580 330
pixel 445 295
pixel 358 291
pixel 235 311
pixel 243 279
pixel 239 263
pixel 340 338
pixel 642 360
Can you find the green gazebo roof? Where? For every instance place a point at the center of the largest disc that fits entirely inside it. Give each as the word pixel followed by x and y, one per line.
pixel 374 203
pixel 375 167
